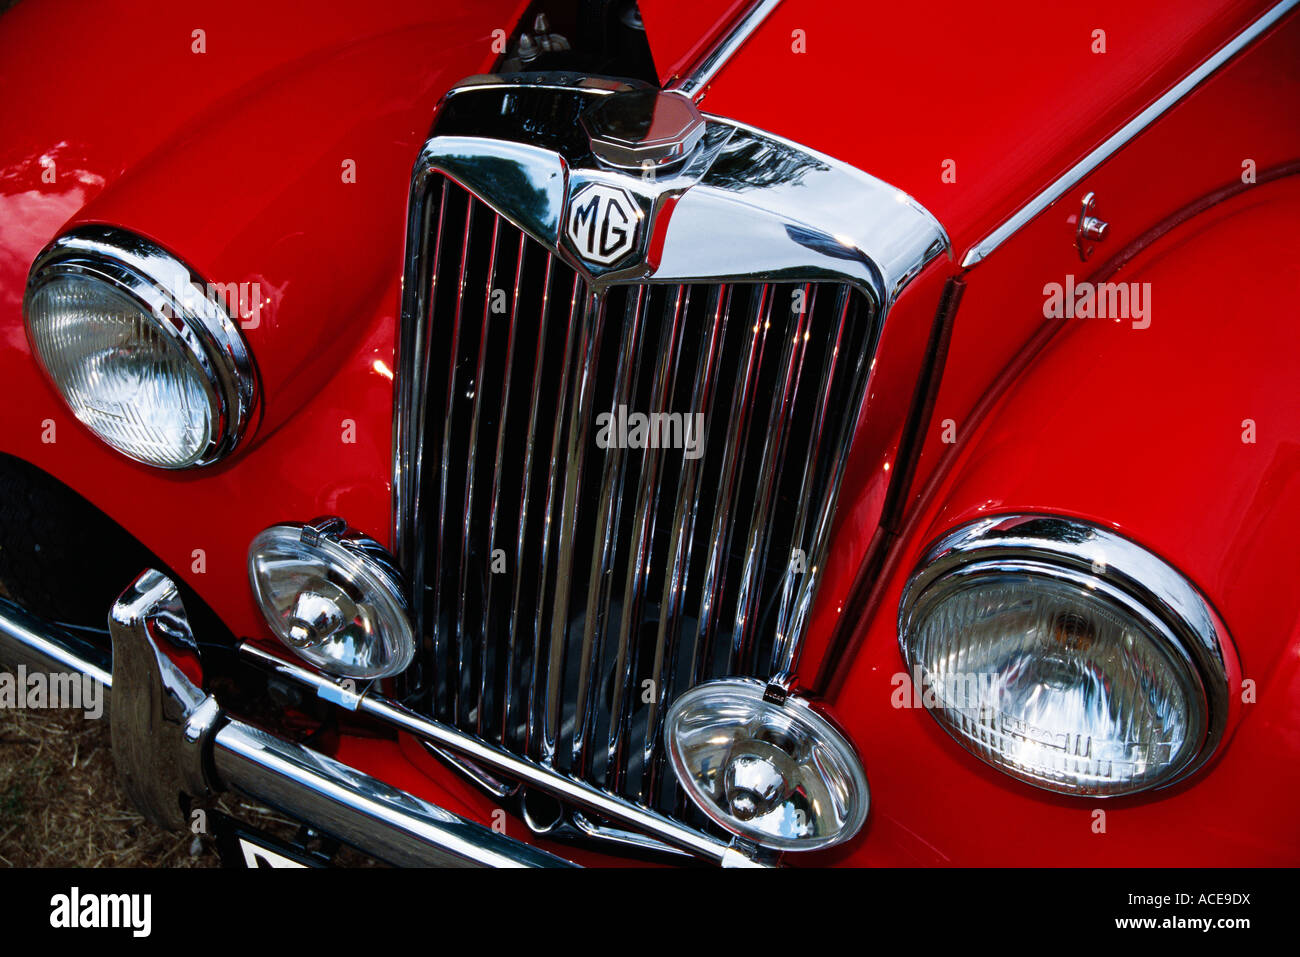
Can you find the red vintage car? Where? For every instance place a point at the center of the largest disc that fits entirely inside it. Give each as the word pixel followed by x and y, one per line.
pixel 582 431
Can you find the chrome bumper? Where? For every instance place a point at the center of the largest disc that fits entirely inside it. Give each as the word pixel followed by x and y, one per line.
pixel 171 741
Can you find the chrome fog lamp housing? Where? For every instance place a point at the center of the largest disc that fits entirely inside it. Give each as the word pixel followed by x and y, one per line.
pixel 776 773
pixel 142 356
pixel 1066 655
pixel 333 596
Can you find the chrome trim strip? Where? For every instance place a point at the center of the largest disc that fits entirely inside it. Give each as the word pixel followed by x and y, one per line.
pixel 41 646
pixel 696 83
pixel 488 755
pixel 1132 128
pixel 1086 553
pixel 197 324
pixel 381 820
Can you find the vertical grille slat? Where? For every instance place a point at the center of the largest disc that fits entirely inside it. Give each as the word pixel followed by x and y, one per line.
pixel 545 746
pixel 724 518
pixel 838 460
pixel 464 646
pixel 645 511
pixel 579 429
pixel 421 372
pixel 793 350
pixel 625 564
pixel 600 579
pixel 684 515
pixel 509 703
pixel 488 636
pixel 785 632
pixel 442 606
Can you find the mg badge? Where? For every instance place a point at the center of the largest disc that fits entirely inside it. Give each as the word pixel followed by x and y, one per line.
pixel 603 223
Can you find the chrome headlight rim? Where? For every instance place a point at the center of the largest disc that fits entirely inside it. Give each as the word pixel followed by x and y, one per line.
pixel 175 298
pixel 341 546
pixel 798 710
pixel 1086 555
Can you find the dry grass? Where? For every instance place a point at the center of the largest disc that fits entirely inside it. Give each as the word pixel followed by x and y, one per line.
pixel 61 806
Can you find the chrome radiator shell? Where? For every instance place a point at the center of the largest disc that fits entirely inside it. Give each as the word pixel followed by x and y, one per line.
pixel 565 592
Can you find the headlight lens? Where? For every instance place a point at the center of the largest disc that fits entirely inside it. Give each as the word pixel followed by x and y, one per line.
pixel 1066 656
pixel 122 377
pixel 143 359
pixel 778 774
pixel 333 597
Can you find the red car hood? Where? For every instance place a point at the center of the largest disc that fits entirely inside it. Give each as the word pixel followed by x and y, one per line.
pixel 228 146
pixel 232 147
pixel 1012 93
pixel 98 87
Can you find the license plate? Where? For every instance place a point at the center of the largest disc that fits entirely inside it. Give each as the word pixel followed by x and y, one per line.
pixel 242 846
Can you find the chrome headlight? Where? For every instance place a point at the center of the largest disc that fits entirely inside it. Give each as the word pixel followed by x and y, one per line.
pixel 142 356
pixel 774 772
pixel 1066 656
pixel 333 596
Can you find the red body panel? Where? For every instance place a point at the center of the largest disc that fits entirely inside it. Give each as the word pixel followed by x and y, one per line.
pixel 1012 91
pixel 233 159
pixel 236 165
pixel 681 35
pixel 1140 430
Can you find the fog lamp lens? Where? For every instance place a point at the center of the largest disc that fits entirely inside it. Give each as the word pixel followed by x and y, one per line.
pixel 333 596
pixel 778 774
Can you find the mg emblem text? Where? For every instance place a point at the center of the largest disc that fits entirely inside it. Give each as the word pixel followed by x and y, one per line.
pixel 602 223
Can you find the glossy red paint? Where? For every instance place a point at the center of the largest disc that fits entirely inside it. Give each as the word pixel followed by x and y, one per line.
pixel 235 162
pixel 1011 92
pixel 681 35
pixel 1140 430
pixel 1136 190
pixel 1147 418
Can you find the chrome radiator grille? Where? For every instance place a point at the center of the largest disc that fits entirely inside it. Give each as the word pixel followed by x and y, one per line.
pixel 566 587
